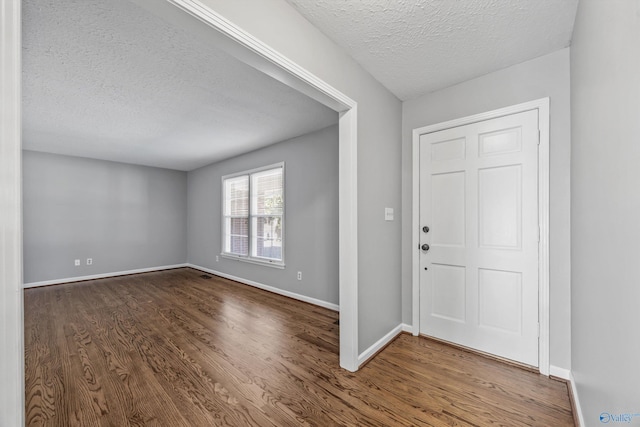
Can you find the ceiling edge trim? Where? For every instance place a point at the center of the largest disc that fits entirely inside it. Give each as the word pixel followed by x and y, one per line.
pixel 271 62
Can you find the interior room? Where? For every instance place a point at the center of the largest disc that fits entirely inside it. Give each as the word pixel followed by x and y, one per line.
pixel 145 193
pixel 286 212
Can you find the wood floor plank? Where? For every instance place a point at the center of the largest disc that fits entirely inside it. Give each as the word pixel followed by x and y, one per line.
pixel 133 384
pixel 173 348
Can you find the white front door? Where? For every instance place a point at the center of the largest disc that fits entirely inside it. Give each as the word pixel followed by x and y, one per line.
pixel 479 200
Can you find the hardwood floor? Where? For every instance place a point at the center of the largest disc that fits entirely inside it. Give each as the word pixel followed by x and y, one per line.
pixel 174 349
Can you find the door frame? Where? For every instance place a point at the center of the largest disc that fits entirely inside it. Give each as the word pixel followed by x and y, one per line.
pixel 542 105
pixel 11 307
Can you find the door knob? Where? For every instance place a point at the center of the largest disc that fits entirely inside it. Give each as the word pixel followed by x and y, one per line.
pixel 425 247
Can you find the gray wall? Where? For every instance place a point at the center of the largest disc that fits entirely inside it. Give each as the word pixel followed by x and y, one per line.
pixel 311 215
pixel 605 206
pixel 123 216
pixel 547 76
pixel 281 27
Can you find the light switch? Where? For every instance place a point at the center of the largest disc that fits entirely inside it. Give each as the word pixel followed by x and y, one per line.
pixel 388 214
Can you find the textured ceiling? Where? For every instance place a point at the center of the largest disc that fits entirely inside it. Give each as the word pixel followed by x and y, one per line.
pixel 417 46
pixel 108 80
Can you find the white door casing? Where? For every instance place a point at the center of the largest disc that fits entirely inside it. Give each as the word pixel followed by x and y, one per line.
pixel 11 302
pixel 482 188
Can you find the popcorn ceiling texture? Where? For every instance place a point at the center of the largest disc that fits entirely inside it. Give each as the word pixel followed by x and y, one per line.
pixel 109 80
pixel 417 46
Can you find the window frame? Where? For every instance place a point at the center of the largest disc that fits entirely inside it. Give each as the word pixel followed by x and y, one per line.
pixel 251 215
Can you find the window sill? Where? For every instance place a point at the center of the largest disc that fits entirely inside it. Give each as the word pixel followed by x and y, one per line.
pixel 258 261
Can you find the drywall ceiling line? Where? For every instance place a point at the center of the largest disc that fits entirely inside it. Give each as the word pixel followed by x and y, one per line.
pixel 321 91
pixel 278 65
pixel 416 47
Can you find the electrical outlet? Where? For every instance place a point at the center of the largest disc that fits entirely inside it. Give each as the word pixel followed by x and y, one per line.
pixel 89 261
pixel 77 263
pixel 217 258
pixel 299 275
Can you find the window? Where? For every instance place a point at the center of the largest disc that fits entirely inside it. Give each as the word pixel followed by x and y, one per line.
pixel 253 215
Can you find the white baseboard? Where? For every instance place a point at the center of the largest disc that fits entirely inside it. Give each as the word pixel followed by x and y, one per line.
pixel 576 401
pixel 407 328
pixel 566 374
pixel 275 290
pixel 561 373
pixel 379 345
pixel 101 276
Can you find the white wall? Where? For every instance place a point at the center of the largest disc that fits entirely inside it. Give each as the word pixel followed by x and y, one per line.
pixel 605 208
pixel 547 76
pixel 278 25
pixel 311 216
pixel 125 217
